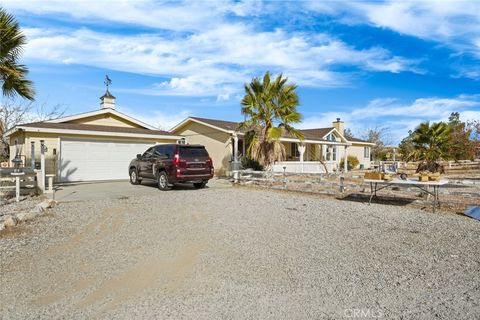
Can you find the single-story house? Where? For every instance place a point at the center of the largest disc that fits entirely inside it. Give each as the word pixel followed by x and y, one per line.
pixel 96 145
pixel 225 143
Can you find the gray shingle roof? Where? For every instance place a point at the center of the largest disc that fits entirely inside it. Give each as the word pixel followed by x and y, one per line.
pixel 310 134
pixel 91 127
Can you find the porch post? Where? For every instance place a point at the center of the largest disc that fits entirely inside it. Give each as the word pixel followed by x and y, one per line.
pixel 301 149
pixel 243 146
pixel 235 147
pixel 345 162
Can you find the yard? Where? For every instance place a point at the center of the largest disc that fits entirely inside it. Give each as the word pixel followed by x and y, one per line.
pixel 120 251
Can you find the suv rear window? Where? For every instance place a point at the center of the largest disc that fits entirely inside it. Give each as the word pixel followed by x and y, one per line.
pixel 193 152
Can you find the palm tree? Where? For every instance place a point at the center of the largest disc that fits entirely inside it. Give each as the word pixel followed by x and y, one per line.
pixel 270 109
pixel 430 144
pixel 12 74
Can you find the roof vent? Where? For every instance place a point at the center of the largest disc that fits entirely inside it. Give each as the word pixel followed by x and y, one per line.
pixel 107 100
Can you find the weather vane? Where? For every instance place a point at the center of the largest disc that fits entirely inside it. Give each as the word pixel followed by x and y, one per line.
pixel 107 81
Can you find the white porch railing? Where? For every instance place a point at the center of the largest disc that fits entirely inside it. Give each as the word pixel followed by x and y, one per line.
pixel 304 167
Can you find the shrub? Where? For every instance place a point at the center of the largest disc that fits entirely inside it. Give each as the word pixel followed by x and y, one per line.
pixel 248 163
pixel 352 162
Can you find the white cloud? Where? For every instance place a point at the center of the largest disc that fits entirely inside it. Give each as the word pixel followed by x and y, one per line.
pixel 163 120
pixel 450 23
pixel 176 16
pixel 399 117
pixel 435 20
pixel 214 62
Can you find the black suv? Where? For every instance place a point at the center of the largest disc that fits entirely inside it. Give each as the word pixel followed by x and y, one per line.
pixel 172 163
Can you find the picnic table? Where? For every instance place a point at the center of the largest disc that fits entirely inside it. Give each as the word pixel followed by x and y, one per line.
pixel 424 186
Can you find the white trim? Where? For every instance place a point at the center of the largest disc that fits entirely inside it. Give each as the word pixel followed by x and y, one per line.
pixel 362 143
pixel 339 134
pixel 99 112
pixel 95 133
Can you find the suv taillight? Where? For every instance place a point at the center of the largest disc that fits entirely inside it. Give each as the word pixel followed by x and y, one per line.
pixel 209 161
pixel 176 160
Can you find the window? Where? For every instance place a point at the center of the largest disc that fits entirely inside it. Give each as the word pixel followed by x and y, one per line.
pixel 366 152
pixel 294 150
pixel 182 141
pixel 331 137
pixel 193 152
pixel 334 153
pixel 165 150
pixel 148 153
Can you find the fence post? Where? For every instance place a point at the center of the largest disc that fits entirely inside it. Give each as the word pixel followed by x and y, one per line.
pixel 32 155
pixel 42 165
pixel 342 186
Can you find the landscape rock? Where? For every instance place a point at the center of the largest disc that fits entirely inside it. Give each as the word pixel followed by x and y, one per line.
pixel 42 206
pixel 21 216
pixel 10 221
pixel 52 203
pixel 25 216
pixel 2 226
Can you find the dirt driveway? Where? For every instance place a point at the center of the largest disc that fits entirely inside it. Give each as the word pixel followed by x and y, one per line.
pixel 236 253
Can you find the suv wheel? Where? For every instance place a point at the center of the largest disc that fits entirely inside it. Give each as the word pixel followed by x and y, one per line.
pixel 134 177
pixel 200 185
pixel 163 181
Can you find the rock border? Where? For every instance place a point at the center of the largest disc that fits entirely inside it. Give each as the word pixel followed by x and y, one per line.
pixel 11 221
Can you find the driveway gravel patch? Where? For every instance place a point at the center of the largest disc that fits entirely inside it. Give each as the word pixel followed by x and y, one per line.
pixel 236 253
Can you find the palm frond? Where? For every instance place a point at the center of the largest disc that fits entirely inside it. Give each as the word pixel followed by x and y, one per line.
pixel 12 74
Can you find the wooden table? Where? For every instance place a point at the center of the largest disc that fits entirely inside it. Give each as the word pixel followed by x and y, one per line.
pixel 424 186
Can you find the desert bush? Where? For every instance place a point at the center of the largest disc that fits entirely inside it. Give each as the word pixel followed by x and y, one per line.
pixel 249 163
pixel 352 162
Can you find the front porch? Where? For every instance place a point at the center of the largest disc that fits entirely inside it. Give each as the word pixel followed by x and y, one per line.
pixel 316 157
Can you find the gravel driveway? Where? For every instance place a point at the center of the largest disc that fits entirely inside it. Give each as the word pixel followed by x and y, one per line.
pixel 239 253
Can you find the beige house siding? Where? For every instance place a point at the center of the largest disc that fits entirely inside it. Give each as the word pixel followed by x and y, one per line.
pixel 357 150
pixel 217 143
pixel 106 120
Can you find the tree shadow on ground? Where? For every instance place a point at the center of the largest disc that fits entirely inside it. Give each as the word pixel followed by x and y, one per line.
pixel 379 199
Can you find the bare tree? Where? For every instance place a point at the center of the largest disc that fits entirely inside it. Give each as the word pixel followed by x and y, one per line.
pixel 348 133
pixel 381 137
pixel 14 112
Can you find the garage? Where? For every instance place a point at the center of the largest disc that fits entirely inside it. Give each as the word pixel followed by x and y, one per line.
pixel 87 160
pixel 90 146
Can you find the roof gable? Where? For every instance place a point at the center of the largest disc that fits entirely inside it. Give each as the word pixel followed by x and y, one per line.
pixel 114 119
pixel 316 134
pixel 221 125
pixel 88 129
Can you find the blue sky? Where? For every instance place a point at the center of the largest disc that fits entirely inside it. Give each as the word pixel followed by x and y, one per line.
pixel 374 64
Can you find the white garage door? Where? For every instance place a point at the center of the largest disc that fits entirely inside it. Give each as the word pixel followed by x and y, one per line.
pixel 82 160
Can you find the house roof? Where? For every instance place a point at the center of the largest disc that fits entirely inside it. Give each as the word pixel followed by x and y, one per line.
pixel 351 139
pixel 107 94
pixel 226 125
pixel 232 126
pixel 78 128
pixel 92 127
pixel 99 112
pixel 317 134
